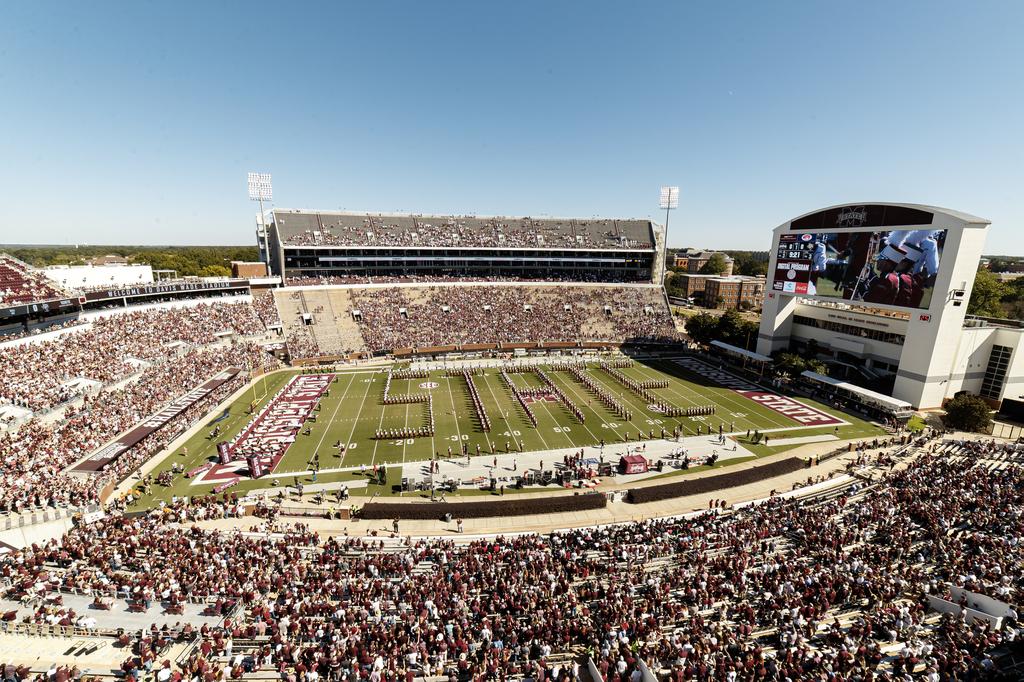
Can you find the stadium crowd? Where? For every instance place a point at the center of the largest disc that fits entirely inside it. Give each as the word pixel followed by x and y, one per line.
pixel 20 333
pixel 464 231
pixel 37 373
pixel 832 588
pixel 33 458
pixel 593 276
pixel 266 309
pixel 827 589
pixel 403 317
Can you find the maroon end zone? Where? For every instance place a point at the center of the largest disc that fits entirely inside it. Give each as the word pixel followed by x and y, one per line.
pixel 799 412
pixel 794 409
pixel 273 430
pixel 101 458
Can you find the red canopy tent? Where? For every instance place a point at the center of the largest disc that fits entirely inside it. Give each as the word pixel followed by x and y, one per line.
pixel 633 464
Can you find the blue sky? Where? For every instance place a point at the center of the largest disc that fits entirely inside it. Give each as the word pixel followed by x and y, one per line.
pixel 137 122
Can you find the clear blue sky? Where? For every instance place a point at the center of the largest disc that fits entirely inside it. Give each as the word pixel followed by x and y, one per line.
pixel 137 122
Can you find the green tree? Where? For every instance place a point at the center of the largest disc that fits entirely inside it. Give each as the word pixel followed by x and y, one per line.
pixel 817 366
pixel 915 424
pixel 790 363
pixel 794 365
pixel 702 328
pixel 987 295
pixel 753 263
pixel 730 326
pixel 214 271
pixel 204 261
pixel 674 286
pixel 968 412
pixel 716 265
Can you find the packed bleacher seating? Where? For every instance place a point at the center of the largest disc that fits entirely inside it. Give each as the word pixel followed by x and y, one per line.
pixel 33 458
pixel 163 353
pixel 833 587
pixel 19 283
pixel 40 375
pixel 340 229
pixel 13 333
pixel 266 308
pixel 438 316
pixel 377 319
pixel 825 588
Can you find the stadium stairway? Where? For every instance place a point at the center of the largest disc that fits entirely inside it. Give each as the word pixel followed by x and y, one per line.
pixel 324 328
pixel 349 336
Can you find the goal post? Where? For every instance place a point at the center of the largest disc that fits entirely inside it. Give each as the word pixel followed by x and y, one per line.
pixel 259 387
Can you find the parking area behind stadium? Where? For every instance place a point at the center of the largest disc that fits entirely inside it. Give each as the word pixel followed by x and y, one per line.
pixel 353 410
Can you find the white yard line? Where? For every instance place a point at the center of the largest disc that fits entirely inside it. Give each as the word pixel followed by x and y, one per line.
pixel 721 400
pixel 376 441
pixel 490 445
pixel 497 405
pixel 405 441
pixel 787 420
pixel 555 419
pixel 355 422
pixel 333 415
pixel 570 382
pixel 456 452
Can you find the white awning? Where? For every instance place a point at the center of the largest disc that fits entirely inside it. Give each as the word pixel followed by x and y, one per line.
pixel 741 351
pixel 879 399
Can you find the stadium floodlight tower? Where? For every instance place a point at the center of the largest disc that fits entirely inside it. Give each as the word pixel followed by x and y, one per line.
pixel 669 201
pixel 260 188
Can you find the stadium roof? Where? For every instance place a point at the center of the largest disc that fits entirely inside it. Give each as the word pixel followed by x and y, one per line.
pixel 957 215
pixel 728 347
pixel 302 227
pixel 868 395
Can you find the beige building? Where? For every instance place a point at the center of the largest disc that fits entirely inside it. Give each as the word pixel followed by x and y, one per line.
pixel 692 260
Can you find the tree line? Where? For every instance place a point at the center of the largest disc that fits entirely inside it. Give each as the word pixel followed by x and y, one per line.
pixel 187 261
pixel 993 297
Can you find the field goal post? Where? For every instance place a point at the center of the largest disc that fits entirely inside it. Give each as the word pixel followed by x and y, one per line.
pixel 259 386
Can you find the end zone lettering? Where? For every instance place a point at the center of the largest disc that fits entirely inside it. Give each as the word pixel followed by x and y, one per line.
pixel 270 433
pixel 791 408
pixel 788 407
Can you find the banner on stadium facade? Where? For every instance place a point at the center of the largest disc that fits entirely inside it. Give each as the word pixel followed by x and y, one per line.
pixel 100 459
pixel 153 289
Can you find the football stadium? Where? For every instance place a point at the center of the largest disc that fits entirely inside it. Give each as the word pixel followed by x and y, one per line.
pixel 471 399
pixel 492 432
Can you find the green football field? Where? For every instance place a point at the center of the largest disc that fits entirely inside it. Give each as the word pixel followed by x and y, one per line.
pixel 354 410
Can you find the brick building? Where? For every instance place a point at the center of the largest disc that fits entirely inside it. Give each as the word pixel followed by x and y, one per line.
pixel 739 292
pixel 692 260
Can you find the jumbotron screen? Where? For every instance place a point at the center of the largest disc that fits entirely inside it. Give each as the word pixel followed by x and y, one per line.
pixel 896 268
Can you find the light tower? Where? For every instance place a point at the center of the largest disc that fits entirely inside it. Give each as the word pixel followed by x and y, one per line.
pixel 669 201
pixel 260 188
